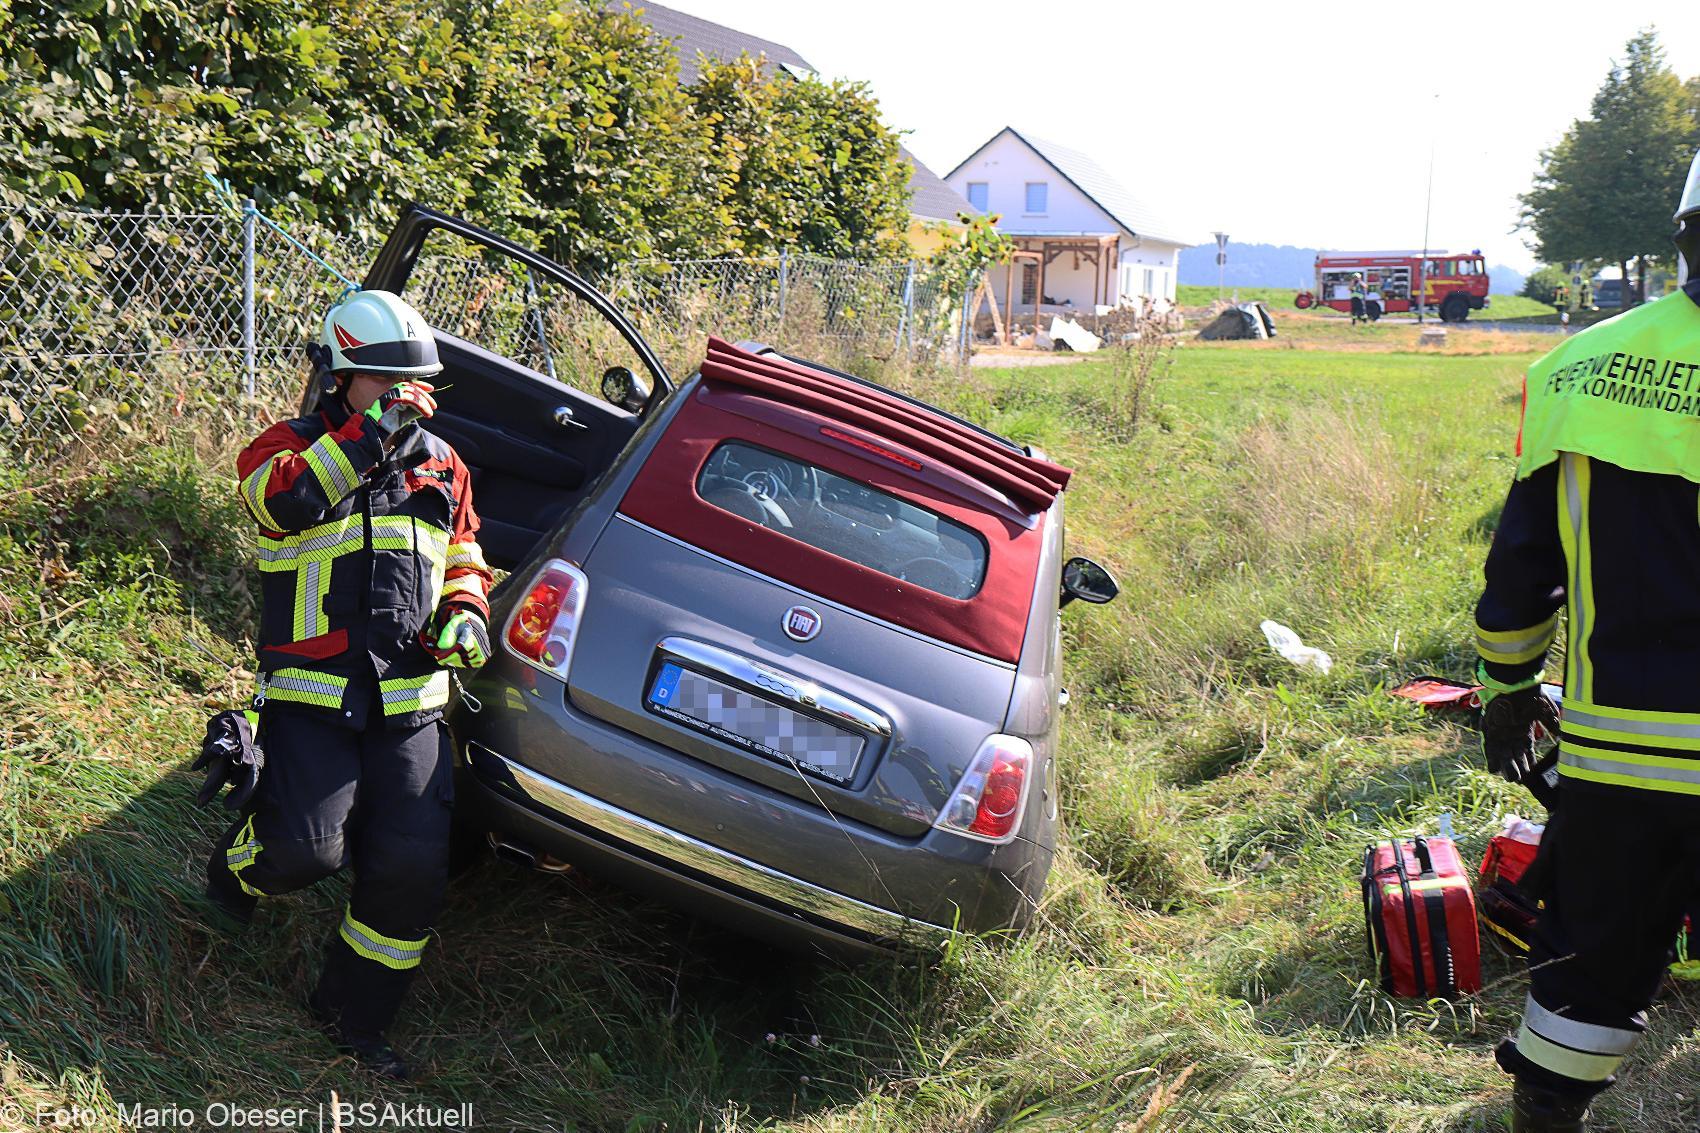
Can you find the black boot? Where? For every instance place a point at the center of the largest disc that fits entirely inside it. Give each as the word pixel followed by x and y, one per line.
pixel 234 907
pixel 1535 1109
pixel 371 1051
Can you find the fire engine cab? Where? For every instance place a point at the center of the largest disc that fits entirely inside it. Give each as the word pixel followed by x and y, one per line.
pixel 1450 283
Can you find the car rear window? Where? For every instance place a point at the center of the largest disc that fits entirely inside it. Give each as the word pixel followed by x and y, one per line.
pixel 845 517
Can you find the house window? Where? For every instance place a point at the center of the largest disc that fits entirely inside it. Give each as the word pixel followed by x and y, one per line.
pixel 1029 281
pixel 1150 282
pixel 1035 197
pixel 977 194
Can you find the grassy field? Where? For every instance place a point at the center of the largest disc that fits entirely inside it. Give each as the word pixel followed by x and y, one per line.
pixel 1199 961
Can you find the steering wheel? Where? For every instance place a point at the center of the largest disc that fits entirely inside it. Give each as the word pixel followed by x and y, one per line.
pixel 769 484
pixel 742 500
pixel 934 574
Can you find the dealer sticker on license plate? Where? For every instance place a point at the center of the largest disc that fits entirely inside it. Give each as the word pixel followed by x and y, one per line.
pixel 754 724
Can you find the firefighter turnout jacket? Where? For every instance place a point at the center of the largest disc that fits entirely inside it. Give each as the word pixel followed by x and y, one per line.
pixel 359 549
pixel 1604 519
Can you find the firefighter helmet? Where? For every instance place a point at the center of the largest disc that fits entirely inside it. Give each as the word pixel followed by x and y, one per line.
pixel 1689 205
pixel 374 332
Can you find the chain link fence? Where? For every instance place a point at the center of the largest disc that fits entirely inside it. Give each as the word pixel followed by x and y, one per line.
pixel 110 319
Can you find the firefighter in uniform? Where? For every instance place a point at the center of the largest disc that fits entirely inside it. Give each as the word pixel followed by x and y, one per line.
pixel 1604 519
pixel 373 587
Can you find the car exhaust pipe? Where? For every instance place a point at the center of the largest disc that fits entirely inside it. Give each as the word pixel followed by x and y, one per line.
pixel 522 855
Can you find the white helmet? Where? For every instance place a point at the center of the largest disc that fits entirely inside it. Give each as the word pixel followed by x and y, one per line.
pixel 1690 202
pixel 374 332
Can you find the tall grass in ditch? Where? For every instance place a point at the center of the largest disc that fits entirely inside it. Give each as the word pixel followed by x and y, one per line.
pixel 1196 962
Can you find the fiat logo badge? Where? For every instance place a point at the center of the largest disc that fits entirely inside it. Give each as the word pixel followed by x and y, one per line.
pixel 801 624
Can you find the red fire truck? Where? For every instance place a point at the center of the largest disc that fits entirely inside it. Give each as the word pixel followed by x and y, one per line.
pixel 1450 283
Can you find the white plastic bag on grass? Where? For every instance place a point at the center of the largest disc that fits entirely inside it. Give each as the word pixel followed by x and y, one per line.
pixel 1285 642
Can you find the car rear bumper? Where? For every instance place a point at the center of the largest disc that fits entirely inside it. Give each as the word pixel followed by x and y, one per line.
pixel 705 878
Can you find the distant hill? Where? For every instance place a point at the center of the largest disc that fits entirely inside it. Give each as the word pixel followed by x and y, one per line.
pixel 1282 265
pixel 1504 280
pixel 1249 265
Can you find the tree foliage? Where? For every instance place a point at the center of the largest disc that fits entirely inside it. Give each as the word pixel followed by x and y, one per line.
pixel 1606 191
pixel 1543 283
pixel 562 122
pixel 802 164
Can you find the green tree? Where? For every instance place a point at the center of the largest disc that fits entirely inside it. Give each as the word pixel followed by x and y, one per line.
pixel 1543 283
pixel 562 122
pixel 803 164
pixel 1606 191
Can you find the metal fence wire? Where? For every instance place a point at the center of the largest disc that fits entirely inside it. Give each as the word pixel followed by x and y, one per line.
pixel 120 315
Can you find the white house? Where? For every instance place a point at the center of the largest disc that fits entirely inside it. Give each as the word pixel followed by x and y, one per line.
pixel 1084 240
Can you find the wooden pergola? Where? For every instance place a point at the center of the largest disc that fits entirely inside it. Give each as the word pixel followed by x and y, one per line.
pixel 1102 252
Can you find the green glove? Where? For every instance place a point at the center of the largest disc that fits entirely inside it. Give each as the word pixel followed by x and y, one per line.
pixel 463 643
pixel 400 406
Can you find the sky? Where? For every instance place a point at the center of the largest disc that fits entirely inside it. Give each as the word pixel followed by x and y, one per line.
pixel 1278 124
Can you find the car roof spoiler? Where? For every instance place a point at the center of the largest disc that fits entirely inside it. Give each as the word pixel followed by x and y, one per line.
pixel 1029 481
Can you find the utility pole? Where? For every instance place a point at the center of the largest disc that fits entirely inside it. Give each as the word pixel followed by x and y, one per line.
pixel 1428 203
pixel 1221 261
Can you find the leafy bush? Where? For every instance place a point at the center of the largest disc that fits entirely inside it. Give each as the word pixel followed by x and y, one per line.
pixel 565 123
pixel 1543 283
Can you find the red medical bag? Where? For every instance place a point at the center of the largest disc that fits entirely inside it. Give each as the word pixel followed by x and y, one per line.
pixel 1421 919
pixel 1507 908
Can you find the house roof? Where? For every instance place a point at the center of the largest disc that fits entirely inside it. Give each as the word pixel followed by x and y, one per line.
pixel 1100 188
pixel 930 198
pixel 694 36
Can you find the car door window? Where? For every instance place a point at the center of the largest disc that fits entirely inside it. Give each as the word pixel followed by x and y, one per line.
pixel 509 308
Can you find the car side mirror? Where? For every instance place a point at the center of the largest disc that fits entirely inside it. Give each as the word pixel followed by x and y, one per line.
pixel 1086 580
pixel 623 388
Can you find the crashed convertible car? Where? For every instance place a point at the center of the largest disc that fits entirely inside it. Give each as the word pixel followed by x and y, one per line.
pixel 778 645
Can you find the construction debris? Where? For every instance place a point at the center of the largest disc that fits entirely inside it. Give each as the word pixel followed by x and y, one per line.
pixel 1070 335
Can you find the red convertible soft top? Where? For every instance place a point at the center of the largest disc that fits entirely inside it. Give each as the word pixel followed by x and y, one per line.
pixel 1028 481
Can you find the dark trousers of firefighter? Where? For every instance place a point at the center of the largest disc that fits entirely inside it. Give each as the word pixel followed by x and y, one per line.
pixel 376 799
pixel 1618 870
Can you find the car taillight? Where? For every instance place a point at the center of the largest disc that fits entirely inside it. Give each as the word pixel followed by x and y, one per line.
pixel 989 801
pixel 544 624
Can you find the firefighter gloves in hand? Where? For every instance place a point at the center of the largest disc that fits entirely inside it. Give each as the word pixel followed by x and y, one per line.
pixel 230 754
pixel 401 405
pixel 463 642
pixel 1510 714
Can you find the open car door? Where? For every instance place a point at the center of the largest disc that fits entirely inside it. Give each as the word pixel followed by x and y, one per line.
pixel 525 344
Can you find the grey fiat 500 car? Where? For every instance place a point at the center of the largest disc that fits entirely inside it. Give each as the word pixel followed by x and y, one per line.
pixel 778 644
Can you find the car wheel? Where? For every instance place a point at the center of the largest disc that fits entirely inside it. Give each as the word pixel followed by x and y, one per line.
pixel 1455 310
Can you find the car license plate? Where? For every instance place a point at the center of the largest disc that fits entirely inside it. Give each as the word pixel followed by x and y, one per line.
pixel 754 723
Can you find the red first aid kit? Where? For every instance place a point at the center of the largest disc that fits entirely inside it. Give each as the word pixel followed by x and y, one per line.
pixel 1421 919
pixel 1508 910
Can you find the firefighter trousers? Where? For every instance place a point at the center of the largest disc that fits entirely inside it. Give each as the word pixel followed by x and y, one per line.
pixel 377 799
pixel 1618 869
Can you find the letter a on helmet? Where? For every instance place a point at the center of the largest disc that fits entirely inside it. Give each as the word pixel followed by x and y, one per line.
pixel 374 332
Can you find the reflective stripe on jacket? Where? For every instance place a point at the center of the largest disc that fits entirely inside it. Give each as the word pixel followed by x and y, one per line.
pixel 357 552
pixel 1620 551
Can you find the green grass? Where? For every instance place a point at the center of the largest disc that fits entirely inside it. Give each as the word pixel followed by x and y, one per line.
pixel 1187 295
pixel 1201 936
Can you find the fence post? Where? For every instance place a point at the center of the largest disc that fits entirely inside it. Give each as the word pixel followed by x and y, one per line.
pixel 248 214
pixel 908 311
pixel 784 275
pixel 534 309
pixel 962 334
